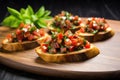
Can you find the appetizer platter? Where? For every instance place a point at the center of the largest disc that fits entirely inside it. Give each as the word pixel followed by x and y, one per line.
pixel 65 45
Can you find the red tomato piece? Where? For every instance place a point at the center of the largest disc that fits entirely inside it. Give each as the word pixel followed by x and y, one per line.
pixel 60 36
pixel 68 42
pixel 87 45
pixel 42 32
pixel 18 31
pixel 9 36
pixel 20 38
pixel 36 33
pixel 44 47
pixel 82 30
pixel 74 42
pixel 30 37
pixel 71 48
pixel 27 34
pixel 21 25
pixel 75 18
pixel 106 26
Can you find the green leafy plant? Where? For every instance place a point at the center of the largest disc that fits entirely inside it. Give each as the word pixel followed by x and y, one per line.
pixel 28 16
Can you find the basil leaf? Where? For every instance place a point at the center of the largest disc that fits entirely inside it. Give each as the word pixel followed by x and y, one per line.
pixel 48 17
pixel 22 11
pixel 41 23
pixel 30 10
pixel 32 29
pixel 15 23
pixel 47 13
pixel 26 14
pixel 40 12
pixel 11 21
pixel 27 21
pixel 15 13
pixel 34 18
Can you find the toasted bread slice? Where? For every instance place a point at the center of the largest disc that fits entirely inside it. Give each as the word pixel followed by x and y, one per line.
pixel 100 36
pixel 19 46
pixel 68 57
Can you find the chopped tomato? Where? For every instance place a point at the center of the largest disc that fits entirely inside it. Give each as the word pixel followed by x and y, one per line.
pixel 44 47
pixel 68 42
pixel 68 33
pixel 79 22
pixel 27 34
pixel 60 36
pixel 75 18
pixel 74 42
pixel 20 38
pixel 42 32
pixel 18 31
pixel 106 26
pixel 90 24
pixel 9 36
pixel 71 48
pixel 21 25
pixel 87 45
pixel 82 30
pixel 71 37
pixel 36 33
pixel 68 22
pixel 30 37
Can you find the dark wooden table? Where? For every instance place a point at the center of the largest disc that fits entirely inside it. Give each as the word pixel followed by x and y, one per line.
pixel 85 8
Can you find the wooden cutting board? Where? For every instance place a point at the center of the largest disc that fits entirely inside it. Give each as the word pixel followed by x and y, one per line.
pixel 107 63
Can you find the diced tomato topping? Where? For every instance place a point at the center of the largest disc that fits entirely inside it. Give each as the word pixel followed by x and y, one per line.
pixel 36 33
pixel 74 42
pixel 44 47
pixel 68 42
pixel 60 36
pixel 82 30
pixel 9 36
pixel 80 22
pixel 18 31
pixel 21 25
pixel 90 24
pixel 71 37
pixel 87 45
pixel 20 38
pixel 27 34
pixel 71 48
pixel 42 32
pixel 75 18
pixel 30 37
pixel 106 26
pixel 68 22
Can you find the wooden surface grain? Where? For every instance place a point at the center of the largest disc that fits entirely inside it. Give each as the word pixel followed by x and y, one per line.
pixel 106 63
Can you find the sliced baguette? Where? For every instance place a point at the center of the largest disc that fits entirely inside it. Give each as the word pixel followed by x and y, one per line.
pixel 100 36
pixel 19 46
pixel 68 57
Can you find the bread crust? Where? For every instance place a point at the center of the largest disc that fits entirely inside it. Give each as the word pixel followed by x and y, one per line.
pixel 68 57
pixel 18 46
pixel 100 36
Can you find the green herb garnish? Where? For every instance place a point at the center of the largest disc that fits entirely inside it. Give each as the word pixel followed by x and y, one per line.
pixel 28 16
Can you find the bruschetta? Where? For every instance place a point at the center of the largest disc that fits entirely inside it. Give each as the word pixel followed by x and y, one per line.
pixel 66 47
pixel 65 21
pixel 25 37
pixel 95 29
